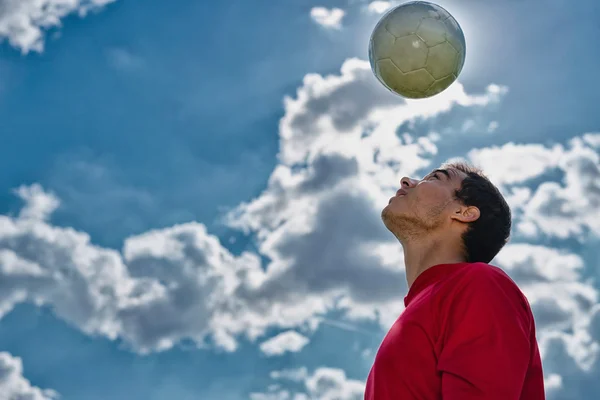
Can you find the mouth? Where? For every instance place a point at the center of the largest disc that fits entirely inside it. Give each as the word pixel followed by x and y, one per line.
pixel 399 193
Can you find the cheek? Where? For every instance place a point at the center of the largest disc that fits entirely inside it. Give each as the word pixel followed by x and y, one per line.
pixel 429 197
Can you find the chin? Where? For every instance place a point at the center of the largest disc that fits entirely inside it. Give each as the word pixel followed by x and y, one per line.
pixel 395 209
pixel 386 211
pixel 387 215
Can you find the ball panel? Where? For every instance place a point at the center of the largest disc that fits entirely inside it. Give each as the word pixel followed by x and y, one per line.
pixel 440 85
pixel 442 60
pixel 432 31
pixel 403 20
pixel 389 74
pixel 417 81
pixel 454 35
pixel 414 95
pixel 411 85
pixel 409 53
pixel 381 44
pixel 428 9
pixel 443 14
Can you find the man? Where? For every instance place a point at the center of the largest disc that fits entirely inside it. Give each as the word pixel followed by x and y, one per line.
pixel 467 331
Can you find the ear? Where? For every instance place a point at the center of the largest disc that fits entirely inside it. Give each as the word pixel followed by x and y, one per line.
pixel 466 214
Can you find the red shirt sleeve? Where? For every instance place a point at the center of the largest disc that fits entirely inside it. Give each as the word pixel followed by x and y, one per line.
pixel 486 339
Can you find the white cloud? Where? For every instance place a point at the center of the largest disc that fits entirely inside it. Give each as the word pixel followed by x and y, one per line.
pixel 329 18
pixel 513 163
pixel 277 395
pixel 552 383
pixel 165 286
pixel 493 126
pixel 289 341
pixel 38 203
pixel 572 207
pixel 14 386
pixel 552 281
pixel 24 22
pixel 323 384
pixel 566 208
pixel 379 7
pixel 332 384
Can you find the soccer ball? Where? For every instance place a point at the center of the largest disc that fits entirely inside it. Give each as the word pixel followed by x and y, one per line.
pixel 417 49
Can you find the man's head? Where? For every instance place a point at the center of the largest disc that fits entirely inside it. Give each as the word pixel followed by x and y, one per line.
pixel 455 201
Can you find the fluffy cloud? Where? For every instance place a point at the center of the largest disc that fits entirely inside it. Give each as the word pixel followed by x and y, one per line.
pixel 323 384
pixel 552 280
pixel 164 286
pixel 565 207
pixel 289 341
pixel 328 18
pixel 379 7
pixel 13 386
pixel 38 204
pixel 513 163
pixel 24 22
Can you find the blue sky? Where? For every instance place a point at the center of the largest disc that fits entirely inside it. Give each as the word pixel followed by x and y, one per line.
pixel 189 193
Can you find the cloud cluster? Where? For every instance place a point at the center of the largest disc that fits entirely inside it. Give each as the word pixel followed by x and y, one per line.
pixel 323 384
pixel 330 18
pixel 568 207
pixel 288 341
pixel 379 7
pixel 24 22
pixel 13 386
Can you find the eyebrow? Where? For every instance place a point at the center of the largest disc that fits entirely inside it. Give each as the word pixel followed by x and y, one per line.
pixel 443 171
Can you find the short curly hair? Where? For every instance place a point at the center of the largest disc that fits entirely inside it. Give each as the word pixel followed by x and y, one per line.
pixel 485 237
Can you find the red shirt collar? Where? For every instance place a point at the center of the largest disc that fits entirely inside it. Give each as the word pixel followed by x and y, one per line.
pixel 431 275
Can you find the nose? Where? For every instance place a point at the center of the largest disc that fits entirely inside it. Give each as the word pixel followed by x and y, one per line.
pixel 407 182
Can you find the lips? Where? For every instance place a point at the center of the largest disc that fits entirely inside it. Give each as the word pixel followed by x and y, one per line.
pixel 399 193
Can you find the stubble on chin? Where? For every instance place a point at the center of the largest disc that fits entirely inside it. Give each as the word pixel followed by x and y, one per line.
pixel 402 226
pixel 408 227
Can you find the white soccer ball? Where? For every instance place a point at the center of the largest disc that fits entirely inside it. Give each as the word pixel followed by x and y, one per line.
pixel 417 49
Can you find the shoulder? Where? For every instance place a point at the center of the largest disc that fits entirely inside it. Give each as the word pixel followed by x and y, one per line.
pixel 491 288
pixel 481 275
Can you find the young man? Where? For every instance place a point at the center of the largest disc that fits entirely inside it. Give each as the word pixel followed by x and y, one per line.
pixel 467 331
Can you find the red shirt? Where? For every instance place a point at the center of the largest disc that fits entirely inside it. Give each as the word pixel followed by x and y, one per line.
pixel 467 332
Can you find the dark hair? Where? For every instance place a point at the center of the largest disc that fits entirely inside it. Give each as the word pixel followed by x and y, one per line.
pixel 486 236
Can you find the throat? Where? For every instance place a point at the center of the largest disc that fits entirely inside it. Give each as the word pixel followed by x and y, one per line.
pixel 422 255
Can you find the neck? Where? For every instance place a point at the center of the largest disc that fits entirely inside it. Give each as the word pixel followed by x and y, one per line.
pixel 422 254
